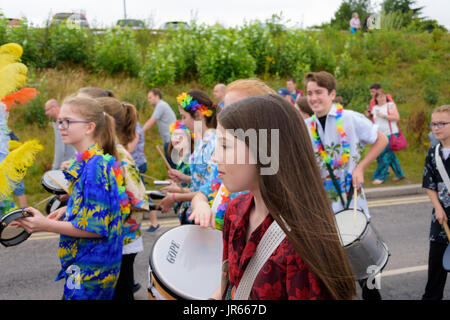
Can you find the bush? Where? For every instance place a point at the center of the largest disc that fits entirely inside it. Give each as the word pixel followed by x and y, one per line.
pixel 34 112
pixel 117 51
pixel 68 44
pixel 260 44
pixel 224 58
pixel 159 68
pixel 32 42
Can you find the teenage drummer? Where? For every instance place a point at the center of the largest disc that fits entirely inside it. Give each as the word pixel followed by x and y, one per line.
pixel 338 136
pixel 437 191
pixel 309 262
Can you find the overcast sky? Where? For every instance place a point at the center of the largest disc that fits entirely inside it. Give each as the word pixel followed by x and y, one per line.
pixel 104 13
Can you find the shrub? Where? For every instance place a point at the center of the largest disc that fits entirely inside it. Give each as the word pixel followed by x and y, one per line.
pixel 224 58
pixel 34 112
pixel 159 68
pixel 31 40
pixel 68 44
pixel 117 51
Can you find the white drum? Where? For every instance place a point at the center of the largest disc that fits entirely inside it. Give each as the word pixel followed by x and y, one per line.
pixel 366 251
pixel 185 263
pixel 54 182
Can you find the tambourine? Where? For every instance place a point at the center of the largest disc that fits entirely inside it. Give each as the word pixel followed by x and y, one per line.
pixel 11 236
pixel 55 182
pixel 54 204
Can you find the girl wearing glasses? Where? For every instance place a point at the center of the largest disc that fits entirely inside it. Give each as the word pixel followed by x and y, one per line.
pixel 90 247
pixel 386 116
pixel 439 195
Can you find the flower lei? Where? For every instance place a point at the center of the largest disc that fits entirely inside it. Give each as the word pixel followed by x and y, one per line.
pixel 125 205
pixel 216 189
pixel 345 145
pixel 188 103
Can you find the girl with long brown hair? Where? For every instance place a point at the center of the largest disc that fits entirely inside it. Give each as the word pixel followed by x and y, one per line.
pixel 125 120
pixel 310 262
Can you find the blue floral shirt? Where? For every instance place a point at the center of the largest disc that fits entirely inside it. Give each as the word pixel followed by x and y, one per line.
pixel 201 166
pixel 91 266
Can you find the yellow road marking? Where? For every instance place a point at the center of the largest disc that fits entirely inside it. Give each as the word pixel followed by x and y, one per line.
pixel 49 235
pixel 397 201
pixel 173 222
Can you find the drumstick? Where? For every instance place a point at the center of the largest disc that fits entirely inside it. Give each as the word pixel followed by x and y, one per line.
pixel 447 231
pixel 42 201
pixel 59 185
pixel 164 158
pixel 165 161
pixel 149 177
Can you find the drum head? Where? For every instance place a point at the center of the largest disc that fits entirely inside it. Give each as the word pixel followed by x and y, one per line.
pixel 12 236
pixel 446 259
pixel 54 204
pixel 187 261
pixel 350 226
pixel 52 186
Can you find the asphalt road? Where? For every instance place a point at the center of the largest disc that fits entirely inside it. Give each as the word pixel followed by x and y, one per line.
pixel 28 270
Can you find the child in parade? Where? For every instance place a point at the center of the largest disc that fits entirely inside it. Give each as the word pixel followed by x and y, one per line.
pixel 310 262
pixel 338 136
pixel 438 190
pixel 125 120
pixel 90 247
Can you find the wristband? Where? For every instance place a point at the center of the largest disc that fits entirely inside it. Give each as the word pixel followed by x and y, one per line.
pixel 173 197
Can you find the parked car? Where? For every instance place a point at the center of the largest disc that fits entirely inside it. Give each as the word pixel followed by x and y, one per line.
pixel 14 22
pixel 74 19
pixel 174 25
pixel 131 23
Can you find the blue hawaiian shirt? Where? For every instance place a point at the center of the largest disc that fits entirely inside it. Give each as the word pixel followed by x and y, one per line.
pixel 201 166
pixel 91 266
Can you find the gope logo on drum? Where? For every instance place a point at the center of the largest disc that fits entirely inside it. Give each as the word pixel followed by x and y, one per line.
pixel 173 251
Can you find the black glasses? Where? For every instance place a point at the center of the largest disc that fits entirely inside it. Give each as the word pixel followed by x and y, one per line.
pixel 64 124
pixel 438 125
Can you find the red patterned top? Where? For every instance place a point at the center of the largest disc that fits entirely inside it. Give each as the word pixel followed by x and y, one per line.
pixel 283 277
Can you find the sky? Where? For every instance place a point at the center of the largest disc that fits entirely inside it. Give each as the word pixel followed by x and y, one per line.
pixel 104 13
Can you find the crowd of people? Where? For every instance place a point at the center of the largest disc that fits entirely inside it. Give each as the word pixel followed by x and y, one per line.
pixel 100 145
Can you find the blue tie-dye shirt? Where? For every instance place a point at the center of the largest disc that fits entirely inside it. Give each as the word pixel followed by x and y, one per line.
pixel 91 266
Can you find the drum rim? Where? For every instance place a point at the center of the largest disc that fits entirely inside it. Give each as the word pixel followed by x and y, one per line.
pixel 169 289
pixel 47 188
pixel 362 233
pixel 51 201
pixel 21 237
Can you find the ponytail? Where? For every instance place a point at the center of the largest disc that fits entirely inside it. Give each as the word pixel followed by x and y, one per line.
pixel 129 123
pixel 107 136
pixel 125 118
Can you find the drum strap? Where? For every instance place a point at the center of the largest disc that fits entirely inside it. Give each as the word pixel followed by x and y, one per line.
pixel 270 241
pixel 441 168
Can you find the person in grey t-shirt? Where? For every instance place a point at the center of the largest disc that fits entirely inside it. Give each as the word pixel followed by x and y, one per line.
pixel 164 116
pixel 62 152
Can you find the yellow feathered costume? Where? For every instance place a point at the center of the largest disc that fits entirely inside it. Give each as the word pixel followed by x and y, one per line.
pixel 13 76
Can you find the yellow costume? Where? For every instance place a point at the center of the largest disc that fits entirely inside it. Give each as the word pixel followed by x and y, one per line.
pixel 13 76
